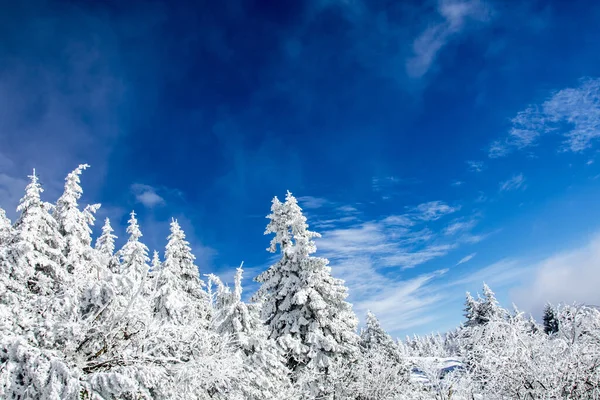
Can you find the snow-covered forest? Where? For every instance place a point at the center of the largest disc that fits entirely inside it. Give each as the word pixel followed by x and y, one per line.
pixel 80 319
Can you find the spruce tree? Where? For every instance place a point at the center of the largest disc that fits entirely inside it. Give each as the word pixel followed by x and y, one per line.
pixel 105 246
pixel 134 254
pixel 75 225
pixel 241 322
pixel 304 307
pixel 34 254
pixel 550 320
pixel 374 338
pixel 179 295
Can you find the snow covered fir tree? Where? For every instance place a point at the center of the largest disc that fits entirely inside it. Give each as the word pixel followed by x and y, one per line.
pixel 85 320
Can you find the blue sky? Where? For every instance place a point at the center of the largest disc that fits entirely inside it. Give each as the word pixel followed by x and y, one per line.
pixel 435 145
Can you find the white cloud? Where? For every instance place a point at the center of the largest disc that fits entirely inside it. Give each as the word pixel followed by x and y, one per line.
pixel 457 183
pixel 453 16
pixel 514 183
pixel 311 202
pixel 147 195
pixel 433 210
pixel 475 166
pixel 459 226
pixel 466 258
pixel 569 276
pixel 572 112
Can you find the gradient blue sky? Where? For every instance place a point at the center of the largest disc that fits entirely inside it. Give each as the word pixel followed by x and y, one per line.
pixel 434 144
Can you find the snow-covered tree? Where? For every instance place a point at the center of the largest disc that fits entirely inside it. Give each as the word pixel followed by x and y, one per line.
pixel 134 254
pixel 105 246
pixel 34 253
pixel 374 338
pixel 179 295
pixel 264 365
pixel 304 307
pixel 75 225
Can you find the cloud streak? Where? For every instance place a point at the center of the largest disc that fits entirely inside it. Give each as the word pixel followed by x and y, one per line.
pixel 453 17
pixel 514 183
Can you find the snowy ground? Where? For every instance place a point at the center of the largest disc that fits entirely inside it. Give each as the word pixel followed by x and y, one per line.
pixel 425 369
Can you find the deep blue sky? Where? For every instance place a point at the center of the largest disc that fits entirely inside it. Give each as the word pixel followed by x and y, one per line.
pixel 416 135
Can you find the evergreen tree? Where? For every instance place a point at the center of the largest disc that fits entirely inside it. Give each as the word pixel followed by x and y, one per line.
pixel 263 364
pixel 134 254
pixel 374 338
pixel 75 225
pixel 105 246
pixel 489 308
pixel 550 320
pixel 179 293
pixel 304 307
pixel 471 311
pixel 34 254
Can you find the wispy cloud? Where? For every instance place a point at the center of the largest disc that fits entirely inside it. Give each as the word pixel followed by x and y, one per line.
pixel 475 166
pixel 310 202
pixel 514 183
pixel 573 113
pixel 459 226
pixel 457 183
pixel 466 258
pixel 147 195
pixel 433 210
pixel 453 16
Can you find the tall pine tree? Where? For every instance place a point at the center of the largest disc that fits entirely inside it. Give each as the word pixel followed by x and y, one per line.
pixel 304 307
pixel 34 254
pixel 75 226
pixel 179 295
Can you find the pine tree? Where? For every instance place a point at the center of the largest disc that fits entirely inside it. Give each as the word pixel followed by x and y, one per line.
pixel 105 246
pixel 34 254
pixel 374 338
pixel 179 293
pixel 471 311
pixel 304 307
pixel 263 364
pixel 75 225
pixel 550 320
pixel 134 254
pixel 489 308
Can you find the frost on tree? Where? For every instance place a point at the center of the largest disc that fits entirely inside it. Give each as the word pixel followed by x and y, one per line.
pixel 241 322
pixel 75 226
pixel 134 254
pixel 374 338
pixel 304 307
pixel 34 254
pixel 179 294
pixel 105 246
pixel 5 229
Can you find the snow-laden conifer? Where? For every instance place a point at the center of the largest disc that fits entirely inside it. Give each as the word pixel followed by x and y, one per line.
pixel 264 365
pixel 374 338
pixel 304 307
pixel 549 319
pixel 179 294
pixel 34 253
pixel 134 254
pixel 75 225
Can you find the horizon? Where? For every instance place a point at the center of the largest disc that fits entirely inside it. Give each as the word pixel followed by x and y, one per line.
pixel 435 147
